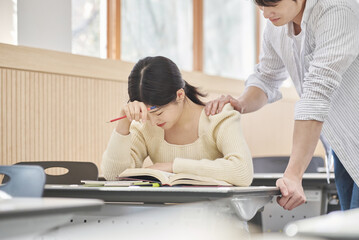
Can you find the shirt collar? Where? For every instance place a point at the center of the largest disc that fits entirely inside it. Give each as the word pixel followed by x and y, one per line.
pixel 309 5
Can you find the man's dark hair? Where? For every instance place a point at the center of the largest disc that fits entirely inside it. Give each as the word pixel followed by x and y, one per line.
pixel 267 3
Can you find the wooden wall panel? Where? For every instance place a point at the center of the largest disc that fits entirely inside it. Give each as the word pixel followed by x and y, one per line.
pixel 56 110
pixel 55 117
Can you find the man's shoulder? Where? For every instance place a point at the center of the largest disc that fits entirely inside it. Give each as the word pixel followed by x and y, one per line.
pixel 332 9
pixel 324 6
pixel 335 3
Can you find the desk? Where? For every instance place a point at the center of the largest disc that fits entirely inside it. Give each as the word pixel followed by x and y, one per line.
pixel 157 194
pixel 164 212
pixel 19 216
pixel 253 198
pixel 321 199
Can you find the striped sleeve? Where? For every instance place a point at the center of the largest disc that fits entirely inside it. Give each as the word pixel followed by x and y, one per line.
pixel 270 73
pixel 336 40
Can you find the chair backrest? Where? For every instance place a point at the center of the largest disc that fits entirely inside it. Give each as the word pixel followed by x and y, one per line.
pixel 278 164
pixel 23 181
pixel 77 171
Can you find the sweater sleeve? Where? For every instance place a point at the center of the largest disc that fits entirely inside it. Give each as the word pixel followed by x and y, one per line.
pixel 124 151
pixel 236 165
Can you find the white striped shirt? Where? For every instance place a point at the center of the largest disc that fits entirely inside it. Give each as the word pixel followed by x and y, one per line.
pixel 326 76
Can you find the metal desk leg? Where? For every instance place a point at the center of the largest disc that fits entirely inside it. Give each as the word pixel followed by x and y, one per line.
pixel 247 207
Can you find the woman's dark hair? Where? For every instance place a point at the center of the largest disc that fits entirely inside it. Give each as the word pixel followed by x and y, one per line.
pixel 267 3
pixel 155 81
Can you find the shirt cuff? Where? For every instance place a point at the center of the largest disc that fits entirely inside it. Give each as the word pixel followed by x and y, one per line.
pixel 273 95
pixel 311 109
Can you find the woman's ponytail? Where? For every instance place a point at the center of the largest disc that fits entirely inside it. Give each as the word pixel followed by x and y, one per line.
pixel 193 93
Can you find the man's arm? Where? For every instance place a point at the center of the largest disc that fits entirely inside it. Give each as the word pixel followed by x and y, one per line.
pixel 305 138
pixel 335 50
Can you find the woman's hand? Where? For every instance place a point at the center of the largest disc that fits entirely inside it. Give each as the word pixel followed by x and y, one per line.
pixel 167 167
pixel 215 106
pixel 134 111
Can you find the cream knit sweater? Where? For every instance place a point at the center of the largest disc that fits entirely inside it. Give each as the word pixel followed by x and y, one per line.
pixel 220 151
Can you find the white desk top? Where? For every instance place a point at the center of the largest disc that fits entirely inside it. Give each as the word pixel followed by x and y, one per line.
pixel 231 190
pixel 156 194
pixel 189 189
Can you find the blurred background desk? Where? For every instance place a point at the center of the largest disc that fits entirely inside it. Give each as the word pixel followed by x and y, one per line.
pixel 33 216
pixel 336 225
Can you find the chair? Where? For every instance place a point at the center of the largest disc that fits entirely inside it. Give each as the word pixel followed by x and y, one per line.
pixel 278 164
pixel 23 181
pixel 77 171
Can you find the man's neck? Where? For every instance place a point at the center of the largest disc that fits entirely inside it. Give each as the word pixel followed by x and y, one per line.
pixel 297 29
pixel 297 21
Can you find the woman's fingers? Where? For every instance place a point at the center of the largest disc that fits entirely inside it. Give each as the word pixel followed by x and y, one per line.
pixel 143 110
pixel 136 111
pixel 127 111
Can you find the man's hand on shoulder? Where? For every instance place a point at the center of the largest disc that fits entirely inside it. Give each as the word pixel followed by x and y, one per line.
pixel 215 106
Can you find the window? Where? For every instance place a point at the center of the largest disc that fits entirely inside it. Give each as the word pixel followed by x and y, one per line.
pixel 8 21
pixel 157 27
pixel 89 27
pixel 226 43
pixel 229 38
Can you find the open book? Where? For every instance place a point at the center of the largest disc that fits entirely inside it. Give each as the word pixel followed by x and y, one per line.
pixel 169 179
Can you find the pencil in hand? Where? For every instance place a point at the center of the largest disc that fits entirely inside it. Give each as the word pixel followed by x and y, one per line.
pixel 116 119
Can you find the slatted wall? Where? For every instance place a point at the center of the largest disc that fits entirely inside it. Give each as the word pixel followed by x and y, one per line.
pixel 55 117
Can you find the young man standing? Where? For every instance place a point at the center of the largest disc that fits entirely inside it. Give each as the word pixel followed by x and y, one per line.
pixel 317 43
